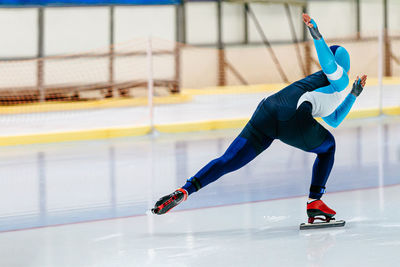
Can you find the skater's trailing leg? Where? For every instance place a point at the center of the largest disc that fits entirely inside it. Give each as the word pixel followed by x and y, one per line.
pixel 241 151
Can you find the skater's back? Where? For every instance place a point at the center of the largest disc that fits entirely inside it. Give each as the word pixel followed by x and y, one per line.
pixel 283 104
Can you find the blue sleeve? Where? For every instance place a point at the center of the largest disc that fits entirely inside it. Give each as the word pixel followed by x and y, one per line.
pixel 341 111
pixel 336 75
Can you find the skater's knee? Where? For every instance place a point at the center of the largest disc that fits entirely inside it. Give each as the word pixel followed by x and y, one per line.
pixel 258 141
pixel 331 144
pixel 328 146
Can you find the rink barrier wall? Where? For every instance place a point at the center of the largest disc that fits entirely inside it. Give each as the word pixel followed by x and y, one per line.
pixel 260 88
pixel 93 104
pixel 184 97
pixel 236 89
pixel 97 134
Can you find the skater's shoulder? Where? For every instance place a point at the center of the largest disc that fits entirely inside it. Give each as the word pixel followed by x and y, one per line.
pixel 313 81
pixel 318 75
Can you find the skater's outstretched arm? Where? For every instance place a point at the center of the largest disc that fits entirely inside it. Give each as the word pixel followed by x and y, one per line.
pixel 337 76
pixel 344 108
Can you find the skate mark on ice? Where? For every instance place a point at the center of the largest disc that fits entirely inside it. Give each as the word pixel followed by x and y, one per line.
pixel 272 219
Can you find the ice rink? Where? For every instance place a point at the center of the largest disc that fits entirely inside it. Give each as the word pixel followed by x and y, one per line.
pixel 200 108
pixel 84 203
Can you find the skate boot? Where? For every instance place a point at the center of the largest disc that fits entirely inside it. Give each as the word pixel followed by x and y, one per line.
pixel 318 210
pixel 166 203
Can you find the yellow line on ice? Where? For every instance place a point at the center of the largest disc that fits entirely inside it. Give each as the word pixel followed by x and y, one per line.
pixel 164 128
pixel 73 136
pixel 201 125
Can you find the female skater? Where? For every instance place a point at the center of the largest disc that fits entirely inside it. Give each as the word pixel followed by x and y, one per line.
pixel 289 116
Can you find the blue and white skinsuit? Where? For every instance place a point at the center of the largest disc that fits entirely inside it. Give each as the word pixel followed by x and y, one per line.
pixel 289 116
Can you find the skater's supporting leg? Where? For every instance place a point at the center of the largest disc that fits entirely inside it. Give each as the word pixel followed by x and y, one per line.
pixel 322 166
pixel 240 152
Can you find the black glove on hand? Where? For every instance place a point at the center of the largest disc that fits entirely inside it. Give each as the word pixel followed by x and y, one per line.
pixel 357 88
pixel 314 31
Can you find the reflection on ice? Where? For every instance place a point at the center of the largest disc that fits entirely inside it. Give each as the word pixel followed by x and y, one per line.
pixel 83 181
pixel 257 234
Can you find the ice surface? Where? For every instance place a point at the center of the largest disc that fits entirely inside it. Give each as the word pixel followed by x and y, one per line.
pixel 248 218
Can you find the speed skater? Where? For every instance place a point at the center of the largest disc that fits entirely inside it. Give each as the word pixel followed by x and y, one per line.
pixel 288 115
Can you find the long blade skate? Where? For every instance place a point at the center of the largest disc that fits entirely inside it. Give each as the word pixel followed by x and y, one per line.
pixel 166 203
pixel 318 210
pixel 323 224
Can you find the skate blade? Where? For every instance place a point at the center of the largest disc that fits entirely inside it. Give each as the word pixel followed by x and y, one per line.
pixel 316 225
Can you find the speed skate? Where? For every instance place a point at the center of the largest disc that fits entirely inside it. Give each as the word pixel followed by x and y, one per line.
pixel 317 210
pixel 324 224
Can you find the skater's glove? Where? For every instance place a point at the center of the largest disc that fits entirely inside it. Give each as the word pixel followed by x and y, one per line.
pixel 314 30
pixel 357 88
